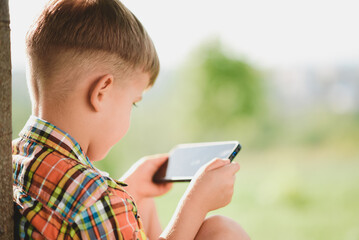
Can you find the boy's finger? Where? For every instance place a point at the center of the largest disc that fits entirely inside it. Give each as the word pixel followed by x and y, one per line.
pixel 164 188
pixel 235 167
pixel 231 168
pixel 159 159
pixel 167 186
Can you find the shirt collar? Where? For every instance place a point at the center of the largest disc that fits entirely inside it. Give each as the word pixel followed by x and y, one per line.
pixel 48 134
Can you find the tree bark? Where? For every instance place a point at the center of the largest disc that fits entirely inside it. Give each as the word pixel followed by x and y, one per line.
pixel 6 203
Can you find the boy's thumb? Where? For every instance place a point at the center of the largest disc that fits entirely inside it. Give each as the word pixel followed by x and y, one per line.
pixel 216 163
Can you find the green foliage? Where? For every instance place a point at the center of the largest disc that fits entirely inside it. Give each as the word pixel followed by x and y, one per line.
pixel 222 88
pixel 299 175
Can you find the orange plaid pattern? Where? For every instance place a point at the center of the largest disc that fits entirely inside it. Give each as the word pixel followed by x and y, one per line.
pixel 61 195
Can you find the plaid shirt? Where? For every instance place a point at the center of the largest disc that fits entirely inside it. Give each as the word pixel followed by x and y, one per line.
pixel 61 195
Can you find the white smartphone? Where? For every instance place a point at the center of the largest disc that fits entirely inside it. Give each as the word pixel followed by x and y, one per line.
pixel 186 159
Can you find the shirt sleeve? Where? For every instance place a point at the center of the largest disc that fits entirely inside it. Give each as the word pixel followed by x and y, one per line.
pixel 112 217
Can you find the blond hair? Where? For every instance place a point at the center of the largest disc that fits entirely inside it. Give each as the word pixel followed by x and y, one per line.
pixel 72 30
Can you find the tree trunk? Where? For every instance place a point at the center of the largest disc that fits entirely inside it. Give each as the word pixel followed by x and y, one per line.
pixel 6 203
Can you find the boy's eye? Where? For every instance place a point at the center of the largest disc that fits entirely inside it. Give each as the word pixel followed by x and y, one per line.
pixel 134 104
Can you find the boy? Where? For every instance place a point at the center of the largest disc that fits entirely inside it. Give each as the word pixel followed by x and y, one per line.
pixel 89 62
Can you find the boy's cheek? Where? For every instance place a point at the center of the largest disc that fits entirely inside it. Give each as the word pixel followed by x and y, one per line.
pixel 118 131
pixel 123 132
pixel 112 129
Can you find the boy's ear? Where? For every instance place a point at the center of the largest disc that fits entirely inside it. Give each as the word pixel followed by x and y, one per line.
pixel 99 91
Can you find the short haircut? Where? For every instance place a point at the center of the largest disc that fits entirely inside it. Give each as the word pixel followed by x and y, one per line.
pixel 70 29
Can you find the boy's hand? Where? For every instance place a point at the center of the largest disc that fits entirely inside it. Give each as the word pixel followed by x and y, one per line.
pixel 210 189
pixel 212 186
pixel 139 178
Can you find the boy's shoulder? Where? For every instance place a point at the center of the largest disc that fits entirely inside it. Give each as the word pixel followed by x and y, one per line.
pixel 54 188
pixel 63 184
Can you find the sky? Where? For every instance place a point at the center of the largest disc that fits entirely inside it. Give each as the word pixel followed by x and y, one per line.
pixel 271 34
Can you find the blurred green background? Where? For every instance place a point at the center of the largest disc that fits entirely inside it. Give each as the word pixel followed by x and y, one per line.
pixel 281 77
pixel 300 159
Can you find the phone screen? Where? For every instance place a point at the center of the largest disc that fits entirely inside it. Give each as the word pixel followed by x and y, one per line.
pixel 186 159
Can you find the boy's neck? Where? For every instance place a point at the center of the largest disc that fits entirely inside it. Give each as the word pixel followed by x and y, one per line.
pixel 68 121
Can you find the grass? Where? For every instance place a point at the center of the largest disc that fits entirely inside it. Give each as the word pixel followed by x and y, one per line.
pixel 290 195
pixel 299 177
pixel 303 185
